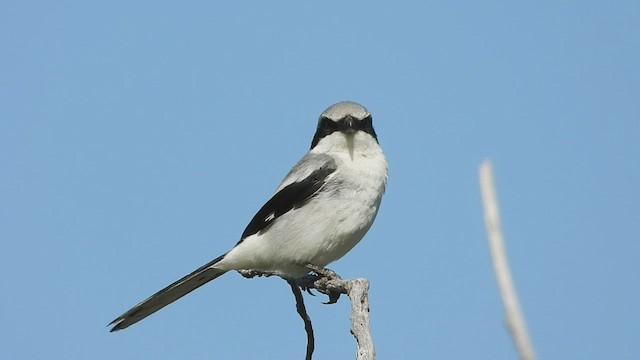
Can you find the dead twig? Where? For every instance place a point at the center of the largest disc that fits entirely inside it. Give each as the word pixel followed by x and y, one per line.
pixel 302 311
pixel 329 283
pixel 514 317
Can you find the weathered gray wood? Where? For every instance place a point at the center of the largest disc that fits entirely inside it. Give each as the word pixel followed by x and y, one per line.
pixel 514 316
pixel 329 283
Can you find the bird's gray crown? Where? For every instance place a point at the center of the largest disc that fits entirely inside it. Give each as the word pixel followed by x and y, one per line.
pixel 342 109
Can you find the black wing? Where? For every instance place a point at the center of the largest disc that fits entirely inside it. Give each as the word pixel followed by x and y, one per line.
pixel 289 197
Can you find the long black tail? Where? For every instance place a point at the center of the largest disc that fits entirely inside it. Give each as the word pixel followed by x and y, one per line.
pixel 166 296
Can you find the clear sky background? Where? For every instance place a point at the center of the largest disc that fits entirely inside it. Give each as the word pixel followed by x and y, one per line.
pixel 137 139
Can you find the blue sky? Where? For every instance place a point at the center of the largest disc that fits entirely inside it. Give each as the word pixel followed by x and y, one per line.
pixel 137 139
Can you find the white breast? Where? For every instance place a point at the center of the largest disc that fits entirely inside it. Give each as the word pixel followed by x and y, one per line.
pixel 330 224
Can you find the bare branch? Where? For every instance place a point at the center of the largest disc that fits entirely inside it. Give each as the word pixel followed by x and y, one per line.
pixel 302 311
pixel 329 283
pixel 514 317
pixel 360 326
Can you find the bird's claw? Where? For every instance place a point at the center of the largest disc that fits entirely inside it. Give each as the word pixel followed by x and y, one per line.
pixel 333 298
pixel 323 272
pixel 324 280
pixel 250 273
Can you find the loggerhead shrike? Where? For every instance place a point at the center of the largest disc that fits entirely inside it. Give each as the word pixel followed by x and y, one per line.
pixel 320 211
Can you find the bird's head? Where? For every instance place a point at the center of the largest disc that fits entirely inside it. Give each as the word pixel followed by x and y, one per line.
pixel 341 124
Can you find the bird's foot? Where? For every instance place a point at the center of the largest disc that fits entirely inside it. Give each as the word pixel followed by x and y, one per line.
pixel 324 280
pixel 323 272
pixel 250 273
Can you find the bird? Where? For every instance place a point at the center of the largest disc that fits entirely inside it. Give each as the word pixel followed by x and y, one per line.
pixel 318 213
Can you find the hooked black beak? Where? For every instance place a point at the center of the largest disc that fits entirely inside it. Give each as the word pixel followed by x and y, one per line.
pixel 348 125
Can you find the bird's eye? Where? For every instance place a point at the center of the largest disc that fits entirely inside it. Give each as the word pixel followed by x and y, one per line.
pixel 329 124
